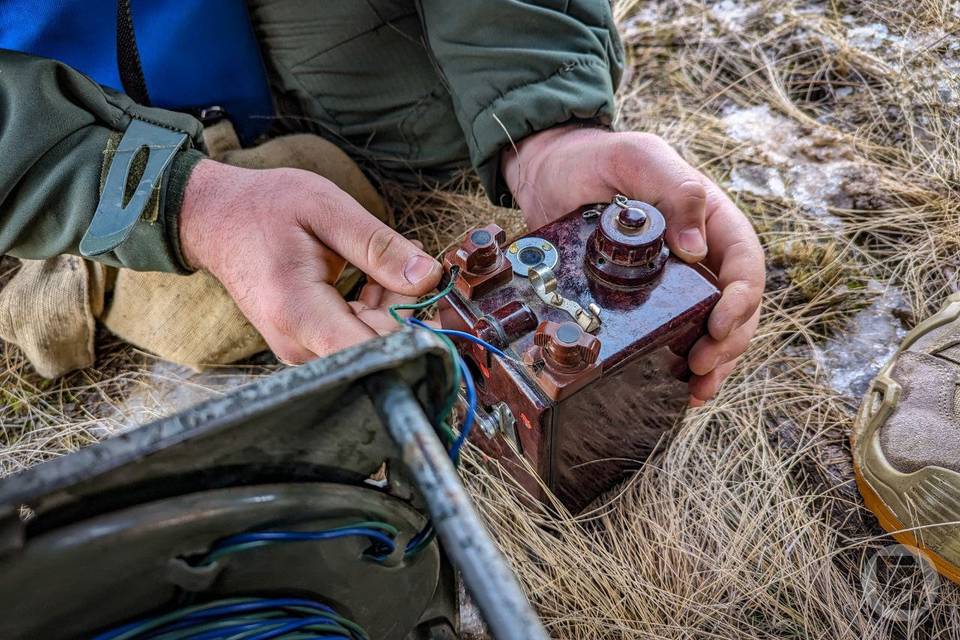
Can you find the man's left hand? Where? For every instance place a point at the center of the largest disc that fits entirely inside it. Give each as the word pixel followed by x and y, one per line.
pixel 558 170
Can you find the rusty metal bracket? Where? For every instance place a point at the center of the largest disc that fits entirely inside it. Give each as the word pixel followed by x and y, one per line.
pixel 486 574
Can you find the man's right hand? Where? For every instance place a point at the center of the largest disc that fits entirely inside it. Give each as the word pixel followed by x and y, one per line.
pixel 278 240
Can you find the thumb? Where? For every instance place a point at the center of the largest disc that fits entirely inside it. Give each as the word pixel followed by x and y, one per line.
pixel 383 254
pixel 646 167
pixel 685 208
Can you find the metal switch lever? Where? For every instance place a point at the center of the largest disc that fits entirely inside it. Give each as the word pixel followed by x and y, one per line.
pixel 544 283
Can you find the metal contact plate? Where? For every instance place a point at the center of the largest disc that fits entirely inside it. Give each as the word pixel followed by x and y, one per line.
pixel 529 252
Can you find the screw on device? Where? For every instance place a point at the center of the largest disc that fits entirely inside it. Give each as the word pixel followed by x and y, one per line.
pixel 479 253
pixel 482 263
pixel 565 347
pixel 627 249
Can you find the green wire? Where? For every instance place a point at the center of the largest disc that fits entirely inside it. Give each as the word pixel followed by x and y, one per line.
pixel 180 634
pixel 443 419
pixel 183 634
pixel 349 624
pixel 446 414
pixel 213 556
pixel 321 628
pixel 159 621
pixel 423 304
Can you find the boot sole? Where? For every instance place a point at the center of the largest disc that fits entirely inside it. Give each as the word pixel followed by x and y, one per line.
pixel 889 523
pixel 866 418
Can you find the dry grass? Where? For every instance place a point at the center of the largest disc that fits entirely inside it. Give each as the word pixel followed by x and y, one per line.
pixel 836 125
pixel 747 524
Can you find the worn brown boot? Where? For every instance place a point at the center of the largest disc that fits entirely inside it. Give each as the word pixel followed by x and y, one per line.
pixel 906 442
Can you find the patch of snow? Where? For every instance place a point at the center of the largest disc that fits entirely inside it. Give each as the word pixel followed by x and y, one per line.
pixel 870 37
pixel 759 125
pixel 907 49
pixel 760 181
pixel 814 185
pixel 852 358
pixel 791 165
pixel 732 13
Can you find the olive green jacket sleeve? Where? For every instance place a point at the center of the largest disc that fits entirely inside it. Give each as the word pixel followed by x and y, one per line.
pixel 515 67
pixel 55 127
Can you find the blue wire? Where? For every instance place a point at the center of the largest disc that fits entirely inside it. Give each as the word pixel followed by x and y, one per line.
pixel 461 334
pixel 262 603
pixel 301 536
pixel 417 539
pixel 471 412
pixel 468 382
pixel 187 621
pixel 468 419
pixel 293 626
pixel 116 631
pixel 218 634
pixel 203 615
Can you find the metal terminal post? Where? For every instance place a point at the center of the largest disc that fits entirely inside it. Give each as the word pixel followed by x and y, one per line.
pixel 544 283
pixel 497 420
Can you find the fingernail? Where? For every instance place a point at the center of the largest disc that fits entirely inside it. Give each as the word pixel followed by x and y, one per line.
pixel 418 268
pixel 691 241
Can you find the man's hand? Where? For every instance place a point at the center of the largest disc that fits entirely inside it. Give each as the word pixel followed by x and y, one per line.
pixel 278 240
pixel 558 170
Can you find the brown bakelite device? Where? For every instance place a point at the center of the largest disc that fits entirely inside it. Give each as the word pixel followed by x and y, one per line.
pixel 597 317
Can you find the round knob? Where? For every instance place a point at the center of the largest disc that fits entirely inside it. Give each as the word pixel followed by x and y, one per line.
pixel 479 253
pixel 627 248
pixel 631 235
pixel 631 219
pixel 566 347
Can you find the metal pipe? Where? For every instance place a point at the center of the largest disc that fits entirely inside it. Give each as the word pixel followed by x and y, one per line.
pixel 486 575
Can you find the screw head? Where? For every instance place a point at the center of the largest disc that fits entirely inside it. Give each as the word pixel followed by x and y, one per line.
pixel 632 218
pixel 481 237
pixel 569 332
